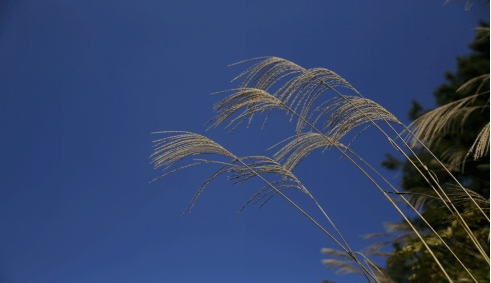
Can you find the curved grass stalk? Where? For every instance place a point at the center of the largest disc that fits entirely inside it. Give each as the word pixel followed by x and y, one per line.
pixel 420 216
pixel 448 203
pixel 249 112
pixel 268 72
pixel 170 150
pixel 441 119
pixel 371 263
pixel 481 146
pixel 265 74
pixel 305 144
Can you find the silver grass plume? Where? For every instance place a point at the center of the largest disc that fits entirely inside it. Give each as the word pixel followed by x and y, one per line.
pixel 449 117
pixel 349 112
pixel 344 264
pixel 171 150
pixel 481 145
pixel 251 100
pixel 300 91
pixel 301 146
pixel 444 119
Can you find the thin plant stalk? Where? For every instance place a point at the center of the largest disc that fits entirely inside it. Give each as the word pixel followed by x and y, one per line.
pixel 419 214
pixel 457 214
pixel 225 152
pixel 459 217
pixel 385 194
pixel 280 103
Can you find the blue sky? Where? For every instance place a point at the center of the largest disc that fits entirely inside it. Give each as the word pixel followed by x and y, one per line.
pixel 84 83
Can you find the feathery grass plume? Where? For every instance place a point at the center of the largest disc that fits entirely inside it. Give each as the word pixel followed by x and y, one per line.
pixel 482 33
pixel 265 165
pixel 449 117
pixel 251 99
pixel 297 96
pixel 481 145
pixel 349 112
pixel 300 91
pixel 477 83
pixel 454 158
pixel 460 198
pixel 444 119
pixel 302 119
pixel 301 146
pixel 470 3
pixel 344 264
pixel 398 231
pixel 340 262
pixel 307 85
pixel 403 236
pixel 171 150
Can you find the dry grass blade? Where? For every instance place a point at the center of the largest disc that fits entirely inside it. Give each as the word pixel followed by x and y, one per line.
pixel 481 145
pixel 446 118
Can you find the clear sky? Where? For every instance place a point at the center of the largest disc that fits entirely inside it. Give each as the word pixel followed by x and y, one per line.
pixel 84 83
